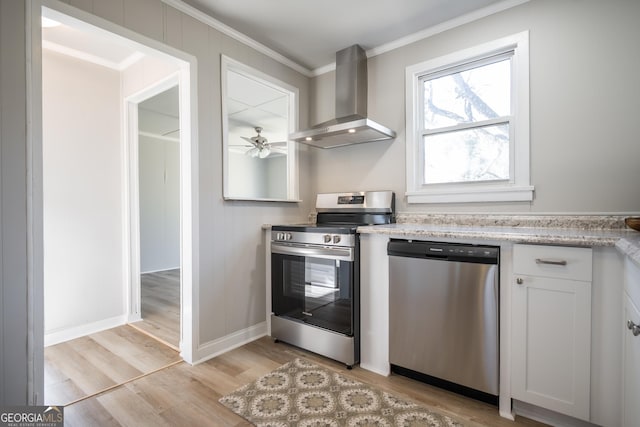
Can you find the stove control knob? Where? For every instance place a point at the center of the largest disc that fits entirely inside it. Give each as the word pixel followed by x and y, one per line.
pixel 278 236
pixel 327 238
pixel 287 236
pixel 336 239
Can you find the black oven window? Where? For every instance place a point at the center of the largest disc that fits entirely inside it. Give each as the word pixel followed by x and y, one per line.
pixel 316 291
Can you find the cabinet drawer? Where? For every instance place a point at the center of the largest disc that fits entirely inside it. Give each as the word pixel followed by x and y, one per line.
pixel 553 261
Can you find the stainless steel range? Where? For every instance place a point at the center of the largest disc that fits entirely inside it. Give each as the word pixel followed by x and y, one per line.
pixel 315 274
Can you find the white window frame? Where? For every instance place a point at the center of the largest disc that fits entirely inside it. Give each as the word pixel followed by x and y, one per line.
pixel 518 187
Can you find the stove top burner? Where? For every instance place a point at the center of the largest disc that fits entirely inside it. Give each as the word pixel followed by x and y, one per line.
pixel 340 214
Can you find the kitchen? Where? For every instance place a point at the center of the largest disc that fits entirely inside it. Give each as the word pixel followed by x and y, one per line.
pixel 583 145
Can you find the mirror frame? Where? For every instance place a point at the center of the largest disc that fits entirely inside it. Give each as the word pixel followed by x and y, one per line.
pixel 228 64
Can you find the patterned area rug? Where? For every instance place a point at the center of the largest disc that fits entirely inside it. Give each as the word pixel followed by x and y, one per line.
pixel 303 394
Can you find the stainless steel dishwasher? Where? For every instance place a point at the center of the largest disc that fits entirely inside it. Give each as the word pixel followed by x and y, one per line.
pixel 443 310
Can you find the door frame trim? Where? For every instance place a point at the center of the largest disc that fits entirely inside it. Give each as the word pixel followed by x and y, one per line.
pixel 189 188
pixel 131 196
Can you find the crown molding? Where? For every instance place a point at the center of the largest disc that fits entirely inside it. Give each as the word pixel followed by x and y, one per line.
pixel 398 43
pixel 431 31
pixel 94 59
pixel 242 38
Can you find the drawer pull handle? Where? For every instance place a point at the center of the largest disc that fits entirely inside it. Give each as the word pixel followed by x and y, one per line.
pixel 635 329
pixel 551 261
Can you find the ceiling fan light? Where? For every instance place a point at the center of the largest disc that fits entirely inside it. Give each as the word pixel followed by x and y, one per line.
pixel 265 152
pixel 253 152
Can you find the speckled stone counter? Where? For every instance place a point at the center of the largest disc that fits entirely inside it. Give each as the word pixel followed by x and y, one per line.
pixel 552 230
pixel 630 246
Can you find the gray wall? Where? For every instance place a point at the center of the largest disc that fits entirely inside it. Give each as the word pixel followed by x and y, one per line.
pixel 159 181
pixel 584 62
pixel 232 266
pixel 14 287
pixel 232 270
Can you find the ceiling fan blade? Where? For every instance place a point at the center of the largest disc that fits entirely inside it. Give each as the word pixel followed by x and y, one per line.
pixel 253 143
pixel 279 143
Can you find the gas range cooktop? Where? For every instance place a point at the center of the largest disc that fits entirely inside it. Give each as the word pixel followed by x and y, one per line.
pixel 344 212
pixel 340 214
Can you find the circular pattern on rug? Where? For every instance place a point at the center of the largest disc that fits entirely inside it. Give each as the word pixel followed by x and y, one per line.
pixel 272 424
pixel 302 363
pixel 312 379
pixel 234 402
pixel 368 421
pixel 359 400
pixel 396 402
pixel 270 405
pixel 318 422
pixel 315 403
pixel 303 394
pixel 273 382
pixel 345 382
pixel 418 418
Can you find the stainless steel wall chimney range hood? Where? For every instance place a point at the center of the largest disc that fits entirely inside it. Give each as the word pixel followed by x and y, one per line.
pixel 351 125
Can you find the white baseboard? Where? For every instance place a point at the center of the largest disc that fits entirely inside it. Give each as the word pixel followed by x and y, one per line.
pixel 546 416
pixel 375 369
pixel 229 342
pixel 66 334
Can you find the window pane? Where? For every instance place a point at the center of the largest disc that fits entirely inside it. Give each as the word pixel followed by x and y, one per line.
pixel 480 154
pixel 476 94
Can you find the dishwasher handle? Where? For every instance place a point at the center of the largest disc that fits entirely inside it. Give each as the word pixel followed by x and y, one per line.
pixel 443 251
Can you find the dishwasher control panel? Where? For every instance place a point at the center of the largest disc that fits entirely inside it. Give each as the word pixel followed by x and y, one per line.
pixel 446 251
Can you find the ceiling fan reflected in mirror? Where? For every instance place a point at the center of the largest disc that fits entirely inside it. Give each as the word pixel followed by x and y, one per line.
pixel 261 147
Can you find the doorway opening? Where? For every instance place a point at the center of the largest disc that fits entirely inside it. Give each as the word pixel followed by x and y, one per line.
pixel 101 308
pixel 154 184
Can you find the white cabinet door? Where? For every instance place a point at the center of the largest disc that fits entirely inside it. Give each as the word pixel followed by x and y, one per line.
pixel 631 372
pixel 551 327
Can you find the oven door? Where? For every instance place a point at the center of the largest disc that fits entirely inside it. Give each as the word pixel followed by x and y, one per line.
pixel 314 285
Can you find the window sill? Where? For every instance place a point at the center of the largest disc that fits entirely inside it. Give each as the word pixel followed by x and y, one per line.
pixel 475 195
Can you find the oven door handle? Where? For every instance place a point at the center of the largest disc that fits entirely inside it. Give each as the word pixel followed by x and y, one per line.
pixel 342 254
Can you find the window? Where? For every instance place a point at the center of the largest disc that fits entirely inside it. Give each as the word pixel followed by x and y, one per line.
pixel 468 125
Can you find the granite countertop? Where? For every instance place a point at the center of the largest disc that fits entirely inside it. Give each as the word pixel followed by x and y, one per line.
pixel 553 230
pixel 569 230
pixel 630 246
pixel 551 236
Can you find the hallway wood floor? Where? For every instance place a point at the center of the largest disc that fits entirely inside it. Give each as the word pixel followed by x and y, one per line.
pixel 87 365
pixel 184 395
pixel 160 292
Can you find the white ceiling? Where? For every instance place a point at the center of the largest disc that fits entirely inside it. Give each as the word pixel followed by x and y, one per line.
pixel 83 41
pixel 159 115
pixel 310 32
pixel 306 33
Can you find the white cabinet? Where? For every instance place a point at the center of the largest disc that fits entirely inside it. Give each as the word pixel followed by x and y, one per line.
pixel 551 328
pixel 631 346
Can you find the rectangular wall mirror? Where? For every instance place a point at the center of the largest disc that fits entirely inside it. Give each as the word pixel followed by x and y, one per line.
pixel 258 114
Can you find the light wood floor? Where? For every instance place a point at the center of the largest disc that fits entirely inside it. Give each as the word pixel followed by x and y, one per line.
pixel 160 293
pixel 87 365
pixel 184 395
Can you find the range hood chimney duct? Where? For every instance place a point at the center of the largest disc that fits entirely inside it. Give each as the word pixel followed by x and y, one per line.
pixel 351 125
